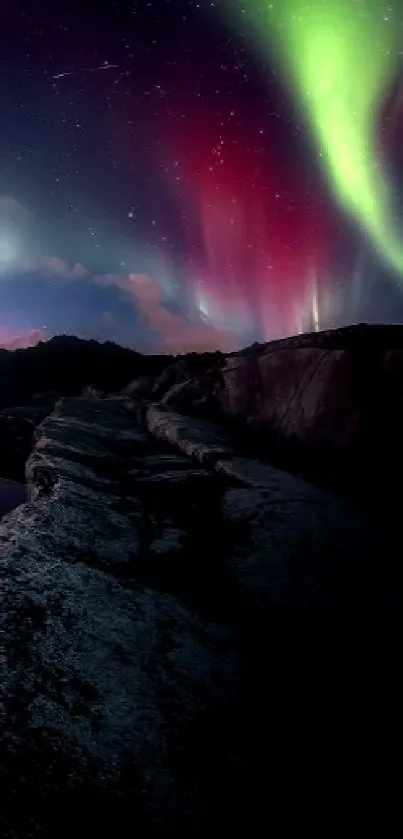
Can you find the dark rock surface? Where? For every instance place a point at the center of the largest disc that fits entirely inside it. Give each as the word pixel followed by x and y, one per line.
pixel 192 639
pixel 332 399
pixel 33 379
pixel 65 364
pixel 183 369
pixel 189 637
pixel 12 495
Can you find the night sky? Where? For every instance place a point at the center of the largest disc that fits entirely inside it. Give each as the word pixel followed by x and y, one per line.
pixel 179 175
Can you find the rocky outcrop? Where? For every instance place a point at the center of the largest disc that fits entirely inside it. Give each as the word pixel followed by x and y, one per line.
pixel 33 379
pixel 67 364
pixel 330 398
pixel 307 395
pixel 295 522
pixel 335 393
pixel 178 622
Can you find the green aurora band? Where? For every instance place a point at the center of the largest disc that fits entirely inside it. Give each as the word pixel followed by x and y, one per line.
pixel 341 58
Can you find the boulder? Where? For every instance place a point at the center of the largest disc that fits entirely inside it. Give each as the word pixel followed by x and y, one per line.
pixel 112 682
pixel 307 395
pixel 199 439
pixel 289 542
pixel 328 394
pixel 185 368
pixel 176 373
pixel 170 611
pixel 304 395
pixel 140 387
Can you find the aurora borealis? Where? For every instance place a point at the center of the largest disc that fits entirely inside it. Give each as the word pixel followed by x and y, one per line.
pixel 340 57
pixel 190 175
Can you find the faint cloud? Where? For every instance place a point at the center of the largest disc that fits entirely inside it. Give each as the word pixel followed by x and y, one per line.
pixel 52 268
pixel 169 332
pixel 12 211
pixel 14 340
pixel 58 268
pixel 173 334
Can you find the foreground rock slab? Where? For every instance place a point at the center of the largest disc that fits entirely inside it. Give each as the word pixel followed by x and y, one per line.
pixel 170 613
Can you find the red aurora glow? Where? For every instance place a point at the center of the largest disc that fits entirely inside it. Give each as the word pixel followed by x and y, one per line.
pixel 263 240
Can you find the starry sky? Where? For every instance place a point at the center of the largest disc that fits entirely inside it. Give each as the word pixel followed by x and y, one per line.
pixel 184 175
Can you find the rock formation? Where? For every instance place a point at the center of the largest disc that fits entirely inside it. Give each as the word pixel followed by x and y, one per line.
pixel 169 611
pixel 31 381
pixel 333 398
pixel 191 638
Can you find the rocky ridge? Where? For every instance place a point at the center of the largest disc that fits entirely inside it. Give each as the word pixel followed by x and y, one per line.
pixel 171 610
pixel 334 399
pixel 327 402
pixel 33 379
